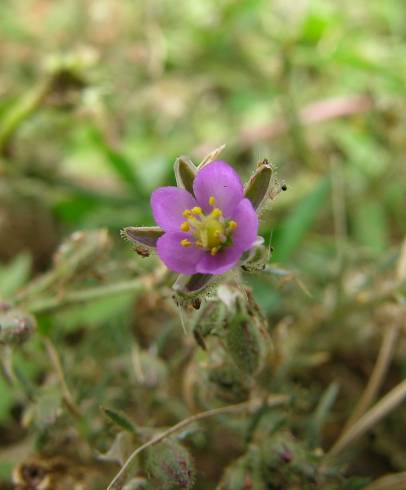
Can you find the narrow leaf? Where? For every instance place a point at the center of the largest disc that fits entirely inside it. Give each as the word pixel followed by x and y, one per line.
pixel 120 420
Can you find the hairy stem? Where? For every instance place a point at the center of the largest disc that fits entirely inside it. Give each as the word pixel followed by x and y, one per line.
pixel 241 407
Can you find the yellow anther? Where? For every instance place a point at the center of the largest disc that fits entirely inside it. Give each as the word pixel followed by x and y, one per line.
pixel 216 213
pixel 214 250
pixel 232 225
pixel 187 213
pixel 199 244
pixel 197 210
pixel 212 200
pixel 185 226
pixel 185 242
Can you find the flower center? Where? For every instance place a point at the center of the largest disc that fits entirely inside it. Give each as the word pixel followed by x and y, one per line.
pixel 211 232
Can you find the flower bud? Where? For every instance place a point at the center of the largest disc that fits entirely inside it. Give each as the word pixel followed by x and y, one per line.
pixel 170 466
pixel 15 326
pixel 257 187
pixel 246 343
pixel 227 384
pixel 212 315
pixel 285 460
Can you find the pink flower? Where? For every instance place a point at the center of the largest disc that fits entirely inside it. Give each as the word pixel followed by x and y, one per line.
pixel 208 231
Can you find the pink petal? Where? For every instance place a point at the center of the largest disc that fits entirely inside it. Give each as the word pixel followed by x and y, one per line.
pixel 168 204
pixel 220 180
pixel 219 263
pixel 247 225
pixel 177 258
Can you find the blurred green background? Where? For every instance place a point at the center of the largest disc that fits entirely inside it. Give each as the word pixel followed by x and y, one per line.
pixel 98 98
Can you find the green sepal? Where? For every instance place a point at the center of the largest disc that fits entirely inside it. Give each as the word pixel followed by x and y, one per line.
pixel 192 285
pixel 257 187
pixel 185 172
pixel 143 235
pixel 211 157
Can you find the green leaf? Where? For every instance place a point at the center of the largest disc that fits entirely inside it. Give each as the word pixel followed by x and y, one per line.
pixel 120 420
pixel 117 162
pixel 321 414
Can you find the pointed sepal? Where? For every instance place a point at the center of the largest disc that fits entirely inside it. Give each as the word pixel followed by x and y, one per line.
pixel 211 157
pixel 192 285
pixel 143 235
pixel 185 172
pixel 258 185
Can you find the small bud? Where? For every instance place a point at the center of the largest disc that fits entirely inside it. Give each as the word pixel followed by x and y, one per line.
pixel 257 187
pixel 284 458
pixel 209 317
pixel 229 386
pixel 170 466
pixel 142 235
pixel 185 172
pixel 245 342
pixel 15 327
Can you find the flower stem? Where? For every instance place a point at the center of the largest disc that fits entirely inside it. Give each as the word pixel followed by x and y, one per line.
pixel 47 305
pixel 241 407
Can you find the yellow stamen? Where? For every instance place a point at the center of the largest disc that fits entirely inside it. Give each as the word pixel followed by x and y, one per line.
pixel 185 226
pixel 197 210
pixel 232 225
pixel 214 251
pixel 199 244
pixel 216 213
pixel 212 200
pixel 185 242
pixel 187 213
